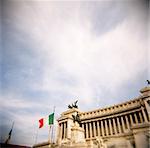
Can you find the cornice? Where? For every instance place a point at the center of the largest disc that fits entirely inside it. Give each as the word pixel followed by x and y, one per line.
pixel 119 108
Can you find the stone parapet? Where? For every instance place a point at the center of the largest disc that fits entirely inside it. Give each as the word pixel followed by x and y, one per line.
pixel 127 106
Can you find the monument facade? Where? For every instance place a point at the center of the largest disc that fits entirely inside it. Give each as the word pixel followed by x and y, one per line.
pixel 125 125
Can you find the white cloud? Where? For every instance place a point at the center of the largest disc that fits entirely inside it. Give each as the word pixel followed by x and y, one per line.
pixel 68 45
pixel 91 60
pixel 74 60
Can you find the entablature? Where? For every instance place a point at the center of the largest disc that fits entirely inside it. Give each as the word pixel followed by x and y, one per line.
pixel 109 116
pixel 116 109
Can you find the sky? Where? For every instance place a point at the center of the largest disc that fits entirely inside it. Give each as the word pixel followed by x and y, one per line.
pixel 56 52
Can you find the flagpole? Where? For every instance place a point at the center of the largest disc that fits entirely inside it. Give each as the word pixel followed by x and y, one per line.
pixel 9 136
pixel 49 133
pixel 52 126
pixel 36 136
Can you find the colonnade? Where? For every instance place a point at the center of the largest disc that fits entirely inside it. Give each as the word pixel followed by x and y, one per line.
pixel 113 125
pixel 107 126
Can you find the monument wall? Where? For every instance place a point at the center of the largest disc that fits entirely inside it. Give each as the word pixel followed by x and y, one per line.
pixel 122 125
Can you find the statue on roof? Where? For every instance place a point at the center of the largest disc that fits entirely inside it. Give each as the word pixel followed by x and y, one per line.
pixel 74 105
pixel 148 82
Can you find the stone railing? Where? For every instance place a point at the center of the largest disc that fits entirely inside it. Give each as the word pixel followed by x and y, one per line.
pixel 113 109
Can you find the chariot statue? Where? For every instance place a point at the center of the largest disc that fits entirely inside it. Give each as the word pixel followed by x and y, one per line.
pixel 76 118
pixel 74 105
pixel 148 82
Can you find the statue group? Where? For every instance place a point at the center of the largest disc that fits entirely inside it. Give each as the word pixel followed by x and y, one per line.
pixel 74 105
pixel 76 118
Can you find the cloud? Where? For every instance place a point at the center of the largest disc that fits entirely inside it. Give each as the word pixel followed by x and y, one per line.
pixel 57 52
pixel 86 58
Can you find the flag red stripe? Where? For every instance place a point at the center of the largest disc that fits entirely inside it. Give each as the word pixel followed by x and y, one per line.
pixel 41 123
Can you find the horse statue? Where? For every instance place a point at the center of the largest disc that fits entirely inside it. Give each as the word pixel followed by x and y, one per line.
pixel 74 105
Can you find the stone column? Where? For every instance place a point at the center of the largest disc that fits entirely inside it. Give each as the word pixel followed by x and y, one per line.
pixel 102 127
pixel 123 125
pixel 114 125
pixel 106 127
pixel 59 133
pixel 144 115
pixel 136 119
pixel 118 125
pixel 141 119
pixel 82 125
pixel 110 127
pixel 87 131
pixel 98 128
pixel 64 126
pixel 90 130
pixel 131 119
pixel 65 129
pixel 127 122
pixel 94 128
pixel 61 130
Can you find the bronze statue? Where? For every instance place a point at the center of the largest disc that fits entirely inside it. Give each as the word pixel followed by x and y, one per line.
pixel 148 82
pixel 76 118
pixel 73 105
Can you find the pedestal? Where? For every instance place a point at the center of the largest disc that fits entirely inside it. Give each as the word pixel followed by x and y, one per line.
pixel 77 134
pixel 141 135
pixel 141 141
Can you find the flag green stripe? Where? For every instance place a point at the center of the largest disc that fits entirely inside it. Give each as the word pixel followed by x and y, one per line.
pixel 51 119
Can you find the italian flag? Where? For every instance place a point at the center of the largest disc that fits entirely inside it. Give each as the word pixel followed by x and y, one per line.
pixel 50 120
pixel 41 122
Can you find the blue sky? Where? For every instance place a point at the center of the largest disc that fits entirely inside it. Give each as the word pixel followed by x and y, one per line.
pixel 53 53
